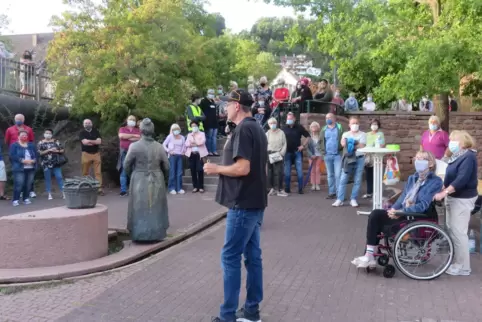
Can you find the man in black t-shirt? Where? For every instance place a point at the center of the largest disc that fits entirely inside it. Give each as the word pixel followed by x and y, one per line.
pixel 294 151
pixel 242 188
pixel 90 141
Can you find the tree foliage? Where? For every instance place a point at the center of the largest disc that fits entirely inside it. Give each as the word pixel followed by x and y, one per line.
pixel 396 48
pixel 142 57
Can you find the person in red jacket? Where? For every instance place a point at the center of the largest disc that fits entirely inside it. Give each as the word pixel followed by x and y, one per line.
pixel 11 136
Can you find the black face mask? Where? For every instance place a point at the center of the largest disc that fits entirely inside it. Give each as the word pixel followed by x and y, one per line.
pixel 231 126
pixel 262 84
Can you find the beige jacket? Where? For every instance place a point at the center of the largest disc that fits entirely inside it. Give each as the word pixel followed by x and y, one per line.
pixel 276 141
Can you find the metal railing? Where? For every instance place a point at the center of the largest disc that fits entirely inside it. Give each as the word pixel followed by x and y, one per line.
pixel 25 80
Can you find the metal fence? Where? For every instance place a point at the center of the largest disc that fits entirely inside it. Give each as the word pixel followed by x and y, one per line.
pixel 25 80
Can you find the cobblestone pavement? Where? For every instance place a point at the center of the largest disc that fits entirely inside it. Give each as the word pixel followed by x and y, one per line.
pixel 180 208
pixel 307 248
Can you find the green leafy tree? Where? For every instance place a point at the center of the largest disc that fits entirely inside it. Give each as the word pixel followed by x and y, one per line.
pixel 131 56
pixel 398 48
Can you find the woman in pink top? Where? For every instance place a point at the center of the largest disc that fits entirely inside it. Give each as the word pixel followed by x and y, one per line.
pixel 196 150
pixel 175 146
pixel 435 140
pixel 127 134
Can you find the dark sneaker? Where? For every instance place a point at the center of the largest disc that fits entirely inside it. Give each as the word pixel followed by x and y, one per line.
pixel 243 316
pixel 287 190
pixel 123 194
pixel 300 192
pixel 217 319
pixel 331 197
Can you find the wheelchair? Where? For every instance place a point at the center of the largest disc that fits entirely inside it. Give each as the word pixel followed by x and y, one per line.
pixel 415 246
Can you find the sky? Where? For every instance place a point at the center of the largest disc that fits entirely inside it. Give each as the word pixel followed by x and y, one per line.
pixel 33 16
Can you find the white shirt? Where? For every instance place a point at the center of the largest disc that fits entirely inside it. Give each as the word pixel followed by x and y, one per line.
pixel 360 137
pixel 369 106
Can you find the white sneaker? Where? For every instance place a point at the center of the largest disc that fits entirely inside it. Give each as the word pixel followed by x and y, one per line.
pixel 63 195
pixel 181 192
pixel 317 187
pixel 313 187
pixel 337 203
pixel 32 194
pixel 456 270
pixel 15 203
pixel 27 202
pixel 367 196
pixel 173 192
pixel 281 193
pixel 50 197
pixel 272 192
pixel 353 203
pixel 364 262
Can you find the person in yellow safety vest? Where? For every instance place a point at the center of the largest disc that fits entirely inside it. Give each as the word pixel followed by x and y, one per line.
pixel 194 113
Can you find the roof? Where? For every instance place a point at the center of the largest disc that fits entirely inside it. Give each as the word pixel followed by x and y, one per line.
pixel 37 43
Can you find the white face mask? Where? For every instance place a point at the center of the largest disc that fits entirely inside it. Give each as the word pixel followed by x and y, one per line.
pixel 354 127
pixel 374 127
pixel 369 98
pixel 48 136
pixel 176 132
pixel 131 123
pixel 210 96
pixel 261 103
pixel 195 129
pixel 272 126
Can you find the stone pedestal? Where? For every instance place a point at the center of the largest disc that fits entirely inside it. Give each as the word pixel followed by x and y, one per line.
pixel 51 237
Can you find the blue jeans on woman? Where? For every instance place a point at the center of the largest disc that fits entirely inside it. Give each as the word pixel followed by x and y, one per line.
pixel 57 171
pixel 211 140
pixel 22 183
pixel 242 236
pixel 356 168
pixel 175 172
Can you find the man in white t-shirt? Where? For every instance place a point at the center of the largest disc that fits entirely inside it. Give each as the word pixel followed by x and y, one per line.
pixel 369 105
pixel 355 166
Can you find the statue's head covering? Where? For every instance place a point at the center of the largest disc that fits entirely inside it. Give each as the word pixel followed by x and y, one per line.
pixel 147 127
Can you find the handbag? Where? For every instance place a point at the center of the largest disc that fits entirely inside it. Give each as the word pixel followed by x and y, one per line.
pixel 62 159
pixel 275 157
pixel 322 167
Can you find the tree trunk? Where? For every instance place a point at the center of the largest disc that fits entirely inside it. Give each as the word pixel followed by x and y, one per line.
pixel 442 110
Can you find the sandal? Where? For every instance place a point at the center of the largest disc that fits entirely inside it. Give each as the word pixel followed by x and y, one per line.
pixel 195 190
pixel 201 190
pixel 4 197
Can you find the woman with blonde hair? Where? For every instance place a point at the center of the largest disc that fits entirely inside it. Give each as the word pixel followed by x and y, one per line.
pixel 175 148
pixel 314 153
pixel 434 140
pixel 127 135
pixel 460 192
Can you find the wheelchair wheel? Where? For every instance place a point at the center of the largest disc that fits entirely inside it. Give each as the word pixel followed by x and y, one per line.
pixel 422 250
pixel 383 260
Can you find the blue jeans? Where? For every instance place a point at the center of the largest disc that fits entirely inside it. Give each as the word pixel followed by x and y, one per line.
pixel 123 175
pixel 211 140
pixel 356 168
pixel 175 173
pixel 57 171
pixel 22 183
pixel 333 172
pixel 242 236
pixel 295 158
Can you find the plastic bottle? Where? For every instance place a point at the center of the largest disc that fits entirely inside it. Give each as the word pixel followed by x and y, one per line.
pixel 471 241
pixel 378 141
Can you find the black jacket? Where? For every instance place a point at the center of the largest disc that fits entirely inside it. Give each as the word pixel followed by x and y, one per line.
pixel 210 111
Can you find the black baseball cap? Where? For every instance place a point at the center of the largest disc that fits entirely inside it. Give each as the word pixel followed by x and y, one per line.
pixel 240 96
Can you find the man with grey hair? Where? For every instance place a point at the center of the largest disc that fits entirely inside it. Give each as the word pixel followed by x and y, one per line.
pixel 208 106
pixel 90 141
pixel 243 190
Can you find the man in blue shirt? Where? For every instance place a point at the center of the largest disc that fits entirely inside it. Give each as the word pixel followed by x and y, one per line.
pixel 331 149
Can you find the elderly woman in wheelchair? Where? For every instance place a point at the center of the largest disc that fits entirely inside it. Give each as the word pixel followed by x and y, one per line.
pixel 409 229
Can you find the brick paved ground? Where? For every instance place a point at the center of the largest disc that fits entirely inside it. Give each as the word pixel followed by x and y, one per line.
pixel 308 277
pixel 181 208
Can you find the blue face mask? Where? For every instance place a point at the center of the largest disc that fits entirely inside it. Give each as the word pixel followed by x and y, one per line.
pixel 433 127
pixel 454 146
pixel 329 121
pixel 421 165
pixel 290 122
pixel 195 129
pixel 18 123
pixel 176 132
pixel 272 126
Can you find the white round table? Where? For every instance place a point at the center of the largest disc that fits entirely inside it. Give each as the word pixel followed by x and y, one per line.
pixel 378 154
